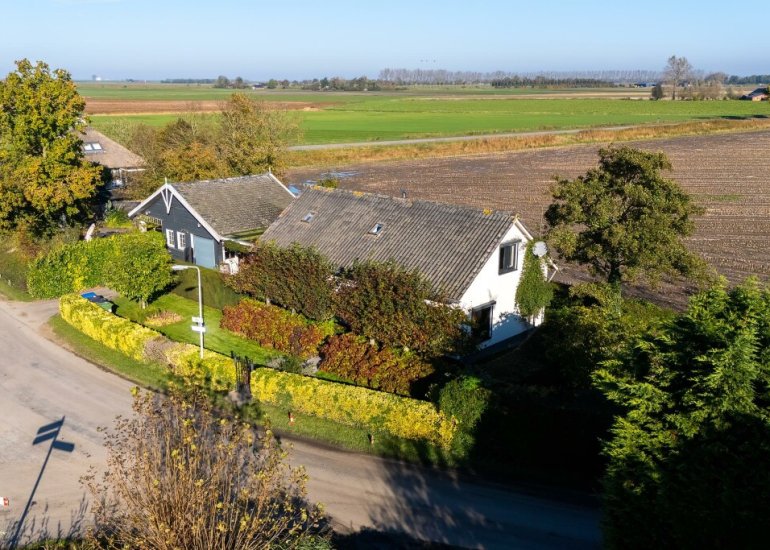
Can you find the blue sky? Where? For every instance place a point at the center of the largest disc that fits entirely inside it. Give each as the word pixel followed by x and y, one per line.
pixel 256 39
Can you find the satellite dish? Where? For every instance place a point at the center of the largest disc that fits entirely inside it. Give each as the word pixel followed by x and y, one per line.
pixel 539 249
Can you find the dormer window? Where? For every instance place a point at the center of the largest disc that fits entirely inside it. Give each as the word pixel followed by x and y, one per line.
pixel 308 217
pixel 377 229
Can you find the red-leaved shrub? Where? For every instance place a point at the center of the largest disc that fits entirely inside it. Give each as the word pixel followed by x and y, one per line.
pixel 273 327
pixel 354 358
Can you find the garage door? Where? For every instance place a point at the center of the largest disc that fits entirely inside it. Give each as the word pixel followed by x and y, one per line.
pixel 203 252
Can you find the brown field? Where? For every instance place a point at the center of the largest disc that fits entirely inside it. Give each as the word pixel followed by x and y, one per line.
pixel 728 174
pixel 96 106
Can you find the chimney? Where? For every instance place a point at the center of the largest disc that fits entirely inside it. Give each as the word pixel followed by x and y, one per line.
pixel 403 193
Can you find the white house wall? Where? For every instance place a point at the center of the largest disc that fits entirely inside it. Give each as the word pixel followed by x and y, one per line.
pixel 491 286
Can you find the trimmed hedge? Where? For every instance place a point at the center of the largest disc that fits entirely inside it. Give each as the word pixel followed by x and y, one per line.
pixel 351 405
pixel 274 327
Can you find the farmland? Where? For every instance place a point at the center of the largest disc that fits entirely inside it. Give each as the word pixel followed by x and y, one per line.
pixel 339 117
pixel 727 174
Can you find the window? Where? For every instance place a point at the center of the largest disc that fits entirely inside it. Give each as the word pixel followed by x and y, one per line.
pixel 308 217
pixel 181 240
pixel 481 321
pixel 377 229
pixel 170 238
pixel 509 257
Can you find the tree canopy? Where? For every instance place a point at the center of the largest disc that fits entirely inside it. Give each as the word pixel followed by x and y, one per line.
pixel 624 219
pixel 687 457
pixel 250 137
pixel 44 179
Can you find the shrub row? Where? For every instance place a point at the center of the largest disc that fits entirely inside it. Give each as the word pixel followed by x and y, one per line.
pixel 354 406
pixel 273 327
pixel 395 306
pixel 355 358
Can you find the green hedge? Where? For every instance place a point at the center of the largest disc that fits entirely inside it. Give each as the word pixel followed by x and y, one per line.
pixel 215 293
pixel 351 405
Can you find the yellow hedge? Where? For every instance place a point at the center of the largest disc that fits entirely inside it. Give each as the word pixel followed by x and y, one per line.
pixel 114 332
pixel 351 405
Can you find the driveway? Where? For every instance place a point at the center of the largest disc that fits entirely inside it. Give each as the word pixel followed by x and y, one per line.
pixel 41 383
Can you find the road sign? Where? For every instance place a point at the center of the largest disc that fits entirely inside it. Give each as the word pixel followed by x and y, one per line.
pixel 197 328
pixel 198 320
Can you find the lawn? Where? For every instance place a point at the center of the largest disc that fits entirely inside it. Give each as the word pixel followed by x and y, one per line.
pixel 216 338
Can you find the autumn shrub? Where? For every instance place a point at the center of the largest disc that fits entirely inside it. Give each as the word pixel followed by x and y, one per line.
pixel 181 475
pixel 296 278
pixel 398 307
pixel 355 358
pixel 276 328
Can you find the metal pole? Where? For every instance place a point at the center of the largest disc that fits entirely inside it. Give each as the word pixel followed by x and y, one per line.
pixel 200 306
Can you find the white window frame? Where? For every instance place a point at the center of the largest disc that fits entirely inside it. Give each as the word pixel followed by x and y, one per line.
pixel 170 238
pixel 514 257
pixel 181 240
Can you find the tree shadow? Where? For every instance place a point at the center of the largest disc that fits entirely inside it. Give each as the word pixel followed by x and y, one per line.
pixel 39 527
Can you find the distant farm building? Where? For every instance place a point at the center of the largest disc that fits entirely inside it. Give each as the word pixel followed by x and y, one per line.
pixel 112 155
pixel 760 94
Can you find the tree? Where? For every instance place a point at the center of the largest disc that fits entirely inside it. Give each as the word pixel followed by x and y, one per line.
pixel 254 136
pixel 534 293
pixel 686 452
pixel 44 179
pixel 624 219
pixel 182 475
pixel 140 266
pixel 222 82
pixel 677 71
pixel 657 92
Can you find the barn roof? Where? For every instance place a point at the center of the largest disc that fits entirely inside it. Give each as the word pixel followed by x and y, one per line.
pixel 446 243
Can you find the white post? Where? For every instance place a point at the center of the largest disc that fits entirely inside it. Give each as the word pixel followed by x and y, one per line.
pixel 200 306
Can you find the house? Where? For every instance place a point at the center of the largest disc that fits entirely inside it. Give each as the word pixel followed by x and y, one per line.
pixel 198 218
pixel 760 94
pixel 473 256
pixel 112 155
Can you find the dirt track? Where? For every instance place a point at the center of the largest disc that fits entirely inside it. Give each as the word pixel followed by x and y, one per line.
pixel 728 174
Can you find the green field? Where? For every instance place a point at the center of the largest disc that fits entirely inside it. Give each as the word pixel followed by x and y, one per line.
pixel 419 113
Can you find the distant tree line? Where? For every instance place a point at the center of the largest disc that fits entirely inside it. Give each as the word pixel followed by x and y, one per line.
pixel 753 79
pixel 237 83
pixel 510 79
pixel 188 81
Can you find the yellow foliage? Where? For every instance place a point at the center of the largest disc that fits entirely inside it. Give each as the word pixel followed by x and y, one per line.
pixel 350 405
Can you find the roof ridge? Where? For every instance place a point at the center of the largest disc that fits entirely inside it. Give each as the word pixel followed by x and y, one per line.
pixel 231 178
pixel 405 201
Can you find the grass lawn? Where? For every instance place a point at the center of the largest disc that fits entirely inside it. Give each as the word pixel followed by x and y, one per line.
pixel 216 338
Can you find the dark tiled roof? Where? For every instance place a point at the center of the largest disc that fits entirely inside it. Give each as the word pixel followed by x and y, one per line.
pixel 448 244
pixel 236 205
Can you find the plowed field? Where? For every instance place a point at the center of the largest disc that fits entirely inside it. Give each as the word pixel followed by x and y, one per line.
pixel 728 174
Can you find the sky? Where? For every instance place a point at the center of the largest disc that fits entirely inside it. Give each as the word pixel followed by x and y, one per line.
pixel 256 39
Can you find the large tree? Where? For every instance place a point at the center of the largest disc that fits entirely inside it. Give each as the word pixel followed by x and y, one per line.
pixel 677 71
pixel 688 455
pixel 624 219
pixel 44 179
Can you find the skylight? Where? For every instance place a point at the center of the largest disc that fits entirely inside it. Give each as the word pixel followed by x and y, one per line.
pixel 308 217
pixel 92 147
pixel 377 229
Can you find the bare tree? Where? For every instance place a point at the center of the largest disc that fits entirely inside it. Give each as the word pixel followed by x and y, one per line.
pixel 677 71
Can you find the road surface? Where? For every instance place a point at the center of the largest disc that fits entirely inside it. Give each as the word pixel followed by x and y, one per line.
pixel 41 383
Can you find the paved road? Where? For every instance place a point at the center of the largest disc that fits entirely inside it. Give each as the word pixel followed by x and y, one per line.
pixel 40 383
pixel 324 146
